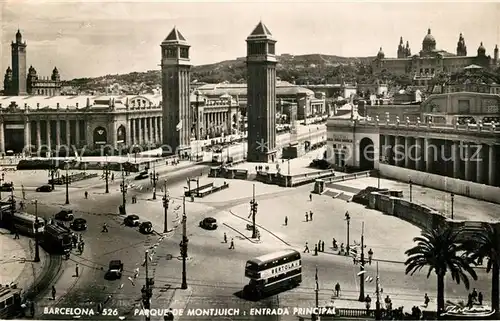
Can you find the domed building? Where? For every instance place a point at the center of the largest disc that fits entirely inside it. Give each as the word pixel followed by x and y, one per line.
pixel 18 83
pixel 431 61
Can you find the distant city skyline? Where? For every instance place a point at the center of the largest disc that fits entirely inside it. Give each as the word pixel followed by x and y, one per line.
pixel 90 39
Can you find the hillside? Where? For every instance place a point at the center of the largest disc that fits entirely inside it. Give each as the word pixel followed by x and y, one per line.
pixel 312 68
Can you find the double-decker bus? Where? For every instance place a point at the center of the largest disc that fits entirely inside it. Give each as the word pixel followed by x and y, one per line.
pixel 25 223
pixel 272 273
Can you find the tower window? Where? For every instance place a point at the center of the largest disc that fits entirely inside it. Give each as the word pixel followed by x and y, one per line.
pixel 257 48
pixel 271 48
pixel 171 52
pixel 184 53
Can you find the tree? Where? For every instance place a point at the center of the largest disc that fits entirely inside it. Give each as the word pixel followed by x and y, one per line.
pixel 440 250
pixel 486 244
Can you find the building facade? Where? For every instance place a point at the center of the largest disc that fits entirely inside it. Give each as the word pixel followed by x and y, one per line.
pixel 31 124
pixel 457 136
pixel 261 95
pixel 431 61
pixel 18 83
pixel 175 69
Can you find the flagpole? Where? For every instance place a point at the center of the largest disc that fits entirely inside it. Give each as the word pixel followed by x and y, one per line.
pixel 377 304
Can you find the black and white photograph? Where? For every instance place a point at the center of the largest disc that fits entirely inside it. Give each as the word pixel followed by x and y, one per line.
pixel 249 160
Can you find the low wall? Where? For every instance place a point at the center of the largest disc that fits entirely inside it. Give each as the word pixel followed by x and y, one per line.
pixel 451 185
pixel 418 214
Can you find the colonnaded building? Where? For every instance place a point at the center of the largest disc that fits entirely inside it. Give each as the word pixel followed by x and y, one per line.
pixel 454 140
pixel 430 61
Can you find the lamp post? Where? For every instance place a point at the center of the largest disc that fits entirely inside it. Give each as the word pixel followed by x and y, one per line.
pixel 166 201
pixel 106 175
pixel 378 178
pixel 411 189
pixel 154 178
pixel 123 189
pixel 348 220
pixel 184 244
pixel 66 165
pixel 452 205
pixel 378 315
pixel 2 180
pixel 52 173
pixel 37 250
pixel 253 213
pixel 362 266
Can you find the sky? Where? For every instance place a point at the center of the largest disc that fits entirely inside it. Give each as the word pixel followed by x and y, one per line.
pixel 96 38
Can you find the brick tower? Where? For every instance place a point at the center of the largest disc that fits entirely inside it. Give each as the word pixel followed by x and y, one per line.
pixel 19 76
pixel 261 95
pixel 175 67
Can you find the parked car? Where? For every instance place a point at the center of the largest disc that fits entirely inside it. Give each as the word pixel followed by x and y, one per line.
pixel 65 215
pixel 142 175
pixel 44 188
pixel 146 227
pixel 209 223
pixel 6 187
pixel 115 270
pixel 131 220
pixel 79 224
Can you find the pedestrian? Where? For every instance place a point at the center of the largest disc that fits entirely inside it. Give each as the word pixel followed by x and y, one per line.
pixel 469 300
pixel 32 309
pixel 474 294
pixel 315 249
pixel 322 246
pixel 104 228
pixel 334 243
pixel 306 250
pixel 426 300
pixel 225 237
pixel 286 220
pixel 480 298
pixel 23 191
pixel 368 302
pixel 319 246
pixel 370 256
pixel 310 215
pixel 16 234
pixel 86 195
pixel 53 292
pixel 307 217
pixel 310 197
pixel 337 290
pixel 136 273
pixel 388 303
pixel 112 177
pixel 76 270
pixel 231 246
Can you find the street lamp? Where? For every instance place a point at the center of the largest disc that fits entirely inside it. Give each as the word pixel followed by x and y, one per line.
pixel 52 173
pixel 154 178
pixel 106 175
pixel 184 245
pixel 123 189
pixel 348 220
pixel 452 201
pixel 362 266
pixel 166 201
pixel 411 189
pixel 37 250
pixel 66 165
pixel 2 180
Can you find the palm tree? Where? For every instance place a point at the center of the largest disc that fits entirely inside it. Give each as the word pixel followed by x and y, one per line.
pixel 440 250
pixel 486 244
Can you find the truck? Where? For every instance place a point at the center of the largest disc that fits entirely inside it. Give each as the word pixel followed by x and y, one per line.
pixel 57 239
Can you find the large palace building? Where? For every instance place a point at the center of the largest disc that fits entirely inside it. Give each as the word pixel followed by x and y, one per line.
pixel 17 82
pixel 453 145
pixel 430 61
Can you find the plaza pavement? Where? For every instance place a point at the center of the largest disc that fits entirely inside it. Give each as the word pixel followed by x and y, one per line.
pixel 464 208
pixel 16 261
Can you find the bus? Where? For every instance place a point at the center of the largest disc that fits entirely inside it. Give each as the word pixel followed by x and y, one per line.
pixel 24 223
pixel 57 239
pixel 273 272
